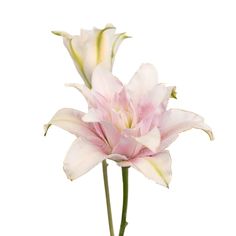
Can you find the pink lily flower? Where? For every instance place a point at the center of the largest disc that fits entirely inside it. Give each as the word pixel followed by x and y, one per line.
pixel 129 124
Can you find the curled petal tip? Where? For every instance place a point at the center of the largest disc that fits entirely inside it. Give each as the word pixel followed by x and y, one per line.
pixel 46 127
pixel 210 134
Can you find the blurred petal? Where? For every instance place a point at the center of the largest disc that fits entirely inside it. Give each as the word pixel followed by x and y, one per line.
pixel 70 120
pixel 150 140
pixel 175 121
pixel 157 168
pixel 81 157
pixel 143 81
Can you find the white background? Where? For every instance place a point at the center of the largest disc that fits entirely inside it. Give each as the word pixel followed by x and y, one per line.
pixel 193 46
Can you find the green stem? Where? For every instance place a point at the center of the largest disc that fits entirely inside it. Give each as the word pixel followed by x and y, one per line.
pixel 125 177
pixel 106 186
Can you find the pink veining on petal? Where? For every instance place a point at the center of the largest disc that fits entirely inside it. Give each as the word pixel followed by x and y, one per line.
pixel 129 124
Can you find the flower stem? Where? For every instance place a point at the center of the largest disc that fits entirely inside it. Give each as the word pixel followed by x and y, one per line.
pixel 125 177
pixel 106 186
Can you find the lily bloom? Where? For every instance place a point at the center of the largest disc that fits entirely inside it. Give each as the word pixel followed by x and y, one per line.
pixel 92 47
pixel 129 124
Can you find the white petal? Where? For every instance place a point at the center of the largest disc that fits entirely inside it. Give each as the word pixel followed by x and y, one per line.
pixel 157 168
pixel 150 140
pixel 70 120
pixel 74 45
pixel 90 53
pixel 175 121
pixel 105 83
pixel 81 157
pixel 77 44
pixel 144 80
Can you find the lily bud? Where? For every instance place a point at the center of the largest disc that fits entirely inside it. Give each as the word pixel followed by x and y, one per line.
pixel 92 47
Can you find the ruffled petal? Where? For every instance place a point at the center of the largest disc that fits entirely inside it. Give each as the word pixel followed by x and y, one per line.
pixel 143 81
pixel 105 83
pixel 175 121
pixel 81 157
pixel 157 168
pixel 153 102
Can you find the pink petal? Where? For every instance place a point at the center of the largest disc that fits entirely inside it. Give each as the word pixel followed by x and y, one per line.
pixel 150 140
pixel 127 146
pixel 81 157
pixel 111 134
pixel 153 102
pixel 175 121
pixel 105 83
pixel 143 81
pixel 157 168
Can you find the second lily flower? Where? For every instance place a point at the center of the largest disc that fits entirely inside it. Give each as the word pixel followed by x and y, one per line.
pixel 92 47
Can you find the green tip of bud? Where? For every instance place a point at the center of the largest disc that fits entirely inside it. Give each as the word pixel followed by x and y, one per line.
pixel 173 93
pixel 58 33
pixel 127 37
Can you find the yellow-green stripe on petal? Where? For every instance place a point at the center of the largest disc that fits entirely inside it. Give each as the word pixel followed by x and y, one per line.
pixel 156 168
pixel 119 38
pixel 79 62
pixel 74 54
pixel 158 171
pixel 99 43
